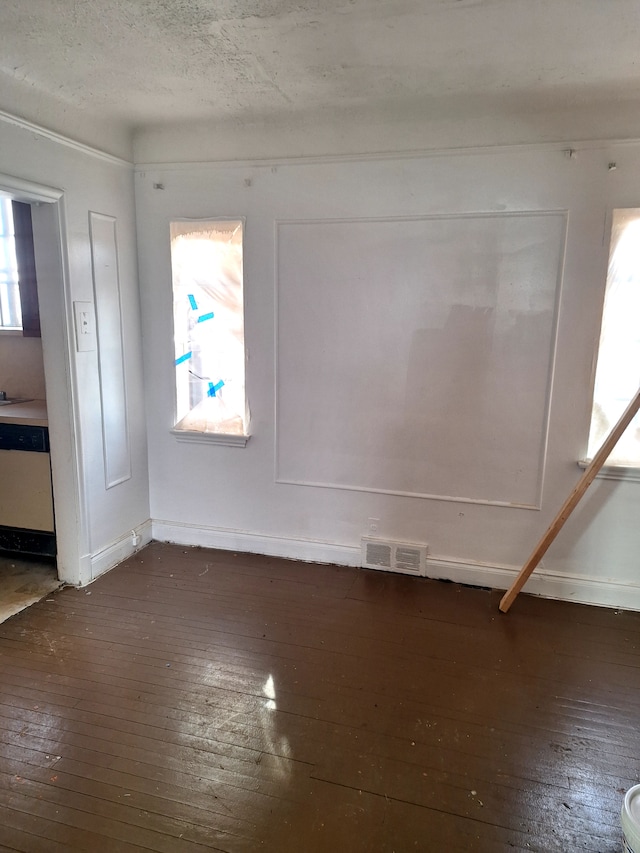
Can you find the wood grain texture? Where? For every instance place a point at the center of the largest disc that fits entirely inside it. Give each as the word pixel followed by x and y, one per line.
pixel 197 700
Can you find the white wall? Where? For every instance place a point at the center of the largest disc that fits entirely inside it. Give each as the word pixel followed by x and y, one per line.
pixel 262 497
pixel 93 523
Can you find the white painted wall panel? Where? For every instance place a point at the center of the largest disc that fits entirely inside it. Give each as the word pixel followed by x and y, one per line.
pixel 414 355
pixel 111 361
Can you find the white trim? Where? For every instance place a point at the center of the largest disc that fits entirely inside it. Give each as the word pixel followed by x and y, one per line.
pixel 119 550
pixel 614 471
pixel 412 154
pixel 71 508
pixel 80 496
pixel 578 588
pixel 563 215
pixel 427 496
pixel 564 147
pixel 21 190
pixel 547 584
pixel 308 550
pixel 83 575
pixel 105 294
pixel 83 148
pixel 227 439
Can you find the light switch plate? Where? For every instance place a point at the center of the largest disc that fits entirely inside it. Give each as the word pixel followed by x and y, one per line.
pixel 85 324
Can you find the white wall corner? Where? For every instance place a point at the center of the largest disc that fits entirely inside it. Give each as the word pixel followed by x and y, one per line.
pixel 308 550
pixel 125 546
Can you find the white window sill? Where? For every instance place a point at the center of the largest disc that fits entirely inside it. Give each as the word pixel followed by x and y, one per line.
pixel 4 330
pixel 210 437
pixel 630 473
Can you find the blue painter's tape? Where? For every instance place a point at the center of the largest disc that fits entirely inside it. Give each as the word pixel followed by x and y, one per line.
pixel 204 317
pixel 213 388
pixel 192 302
pixel 184 357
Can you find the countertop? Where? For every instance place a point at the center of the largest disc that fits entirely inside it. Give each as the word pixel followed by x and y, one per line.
pixel 33 413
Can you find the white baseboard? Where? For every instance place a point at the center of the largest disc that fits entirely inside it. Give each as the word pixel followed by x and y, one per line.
pixel 108 557
pixel 308 550
pixel 578 588
pixel 543 582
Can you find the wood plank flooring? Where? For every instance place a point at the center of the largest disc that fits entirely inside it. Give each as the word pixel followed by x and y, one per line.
pixel 195 700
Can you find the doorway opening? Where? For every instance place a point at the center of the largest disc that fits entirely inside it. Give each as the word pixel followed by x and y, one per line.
pixel 39 416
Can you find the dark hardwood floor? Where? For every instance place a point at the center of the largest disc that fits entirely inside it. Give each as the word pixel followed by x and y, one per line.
pixel 195 700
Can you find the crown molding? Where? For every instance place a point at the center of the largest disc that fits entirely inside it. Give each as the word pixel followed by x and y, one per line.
pixel 60 139
pixel 568 148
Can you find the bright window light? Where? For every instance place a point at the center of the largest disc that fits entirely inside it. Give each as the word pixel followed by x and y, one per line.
pixel 10 312
pixel 618 368
pixel 208 321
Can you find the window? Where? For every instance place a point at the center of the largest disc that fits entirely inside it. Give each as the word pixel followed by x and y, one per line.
pixel 18 286
pixel 208 322
pixel 10 312
pixel 618 368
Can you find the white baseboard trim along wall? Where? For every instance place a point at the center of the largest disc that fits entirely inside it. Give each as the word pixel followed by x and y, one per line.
pixel 548 584
pixel 253 543
pixel 108 557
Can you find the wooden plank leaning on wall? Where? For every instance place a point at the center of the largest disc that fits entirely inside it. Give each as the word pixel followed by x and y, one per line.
pixel 571 502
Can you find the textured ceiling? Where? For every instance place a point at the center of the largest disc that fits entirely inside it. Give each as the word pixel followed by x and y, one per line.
pixel 136 63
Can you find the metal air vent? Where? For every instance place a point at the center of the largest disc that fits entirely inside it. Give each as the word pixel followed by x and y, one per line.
pixel 400 557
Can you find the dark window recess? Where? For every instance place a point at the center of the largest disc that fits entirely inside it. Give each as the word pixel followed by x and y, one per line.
pixel 26 269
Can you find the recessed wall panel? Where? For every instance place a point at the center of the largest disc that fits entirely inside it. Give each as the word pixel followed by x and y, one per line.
pixel 111 359
pixel 415 356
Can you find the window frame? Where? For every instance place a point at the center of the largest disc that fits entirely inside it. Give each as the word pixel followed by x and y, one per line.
pixel 622 469
pixel 26 269
pixel 185 434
